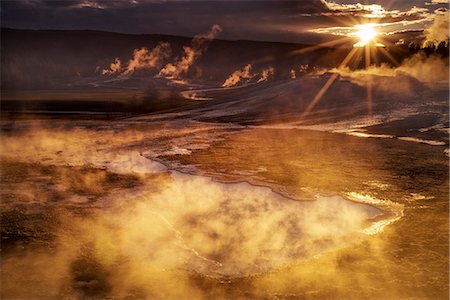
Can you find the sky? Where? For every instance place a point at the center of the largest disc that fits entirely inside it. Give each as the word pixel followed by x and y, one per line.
pixel 271 20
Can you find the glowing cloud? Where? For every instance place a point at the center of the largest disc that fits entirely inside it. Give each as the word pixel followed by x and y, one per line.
pixel 436 2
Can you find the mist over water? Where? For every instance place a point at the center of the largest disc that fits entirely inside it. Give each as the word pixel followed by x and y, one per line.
pixel 115 221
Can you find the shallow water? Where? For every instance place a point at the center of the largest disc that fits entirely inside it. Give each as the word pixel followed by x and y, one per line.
pixel 118 211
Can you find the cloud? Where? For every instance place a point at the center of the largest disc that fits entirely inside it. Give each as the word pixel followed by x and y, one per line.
pixel 386 21
pixel 198 46
pixel 439 30
pixel 285 20
pixel 436 2
pixel 100 4
pixel 373 11
pixel 357 7
pixel 240 19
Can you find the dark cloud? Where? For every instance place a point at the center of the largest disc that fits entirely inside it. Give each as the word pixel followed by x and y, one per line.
pixel 239 19
pixel 278 20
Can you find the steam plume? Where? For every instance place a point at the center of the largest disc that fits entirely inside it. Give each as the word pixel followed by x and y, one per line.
pixel 431 69
pixel 265 74
pixel 238 75
pixel 198 46
pixel 148 59
pixel 115 67
pixel 438 31
pixel 292 74
pixel 142 59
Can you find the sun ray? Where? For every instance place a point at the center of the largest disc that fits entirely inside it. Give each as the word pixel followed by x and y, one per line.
pixel 366 34
pixel 388 55
pixel 319 95
pixel 369 79
pixel 369 95
pixel 323 45
pixel 327 85
pixel 374 54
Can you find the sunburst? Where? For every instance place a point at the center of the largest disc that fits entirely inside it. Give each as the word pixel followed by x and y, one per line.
pixel 367 35
pixel 370 41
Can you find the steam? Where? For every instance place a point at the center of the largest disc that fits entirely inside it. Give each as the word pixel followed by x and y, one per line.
pixel 199 45
pixel 192 225
pixel 245 76
pixel 432 69
pixel 148 241
pixel 438 31
pixel 238 76
pixel 115 67
pixel 292 74
pixel 143 58
pixel 265 74
pixel 148 59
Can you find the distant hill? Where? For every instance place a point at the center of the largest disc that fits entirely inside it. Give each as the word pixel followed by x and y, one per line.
pixel 46 59
pixel 61 71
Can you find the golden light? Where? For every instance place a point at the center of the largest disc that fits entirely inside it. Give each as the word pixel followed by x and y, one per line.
pixel 370 42
pixel 366 34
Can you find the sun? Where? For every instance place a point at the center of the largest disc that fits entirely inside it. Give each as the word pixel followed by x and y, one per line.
pixel 366 34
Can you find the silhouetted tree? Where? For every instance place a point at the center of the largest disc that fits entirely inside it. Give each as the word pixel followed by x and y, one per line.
pixel 413 48
pixel 442 49
pixel 430 49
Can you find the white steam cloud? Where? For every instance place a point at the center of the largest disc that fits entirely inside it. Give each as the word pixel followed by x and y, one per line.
pixel 150 239
pixel 432 69
pixel 438 31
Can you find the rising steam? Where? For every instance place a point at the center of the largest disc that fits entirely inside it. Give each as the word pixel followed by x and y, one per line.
pixel 148 59
pixel 432 69
pixel 149 241
pixel 115 67
pixel 265 74
pixel 199 45
pixel 292 74
pixel 238 76
pixel 143 58
pixel 245 75
pixel 438 31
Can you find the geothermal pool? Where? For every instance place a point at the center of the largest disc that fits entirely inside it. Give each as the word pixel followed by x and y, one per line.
pixel 141 208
